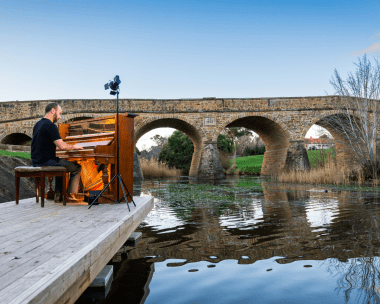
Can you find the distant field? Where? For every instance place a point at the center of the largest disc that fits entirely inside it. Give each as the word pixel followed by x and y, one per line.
pixel 316 155
pixel 250 163
pixel 253 163
pixel 15 154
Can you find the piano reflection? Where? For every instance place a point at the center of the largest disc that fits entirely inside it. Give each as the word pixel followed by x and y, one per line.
pixel 98 158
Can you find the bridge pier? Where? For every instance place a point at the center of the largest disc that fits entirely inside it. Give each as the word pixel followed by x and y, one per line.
pixel 137 172
pixel 210 166
pixel 296 158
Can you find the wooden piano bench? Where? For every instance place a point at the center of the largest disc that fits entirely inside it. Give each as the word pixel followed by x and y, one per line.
pixel 40 173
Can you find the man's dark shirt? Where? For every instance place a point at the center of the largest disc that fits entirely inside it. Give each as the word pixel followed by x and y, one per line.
pixel 43 147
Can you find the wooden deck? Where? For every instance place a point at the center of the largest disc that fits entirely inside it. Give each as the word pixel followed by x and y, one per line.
pixel 52 254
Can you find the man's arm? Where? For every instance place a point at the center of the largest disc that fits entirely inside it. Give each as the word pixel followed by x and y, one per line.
pixel 64 146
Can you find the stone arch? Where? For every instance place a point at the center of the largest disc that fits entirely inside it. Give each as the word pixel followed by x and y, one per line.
pixel 314 119
pixel 274 133
pixel 233 118
pixel 16 138
pixel 171 121
pixel 343 153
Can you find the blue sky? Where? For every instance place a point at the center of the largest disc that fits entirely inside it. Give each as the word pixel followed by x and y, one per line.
pixel 180 49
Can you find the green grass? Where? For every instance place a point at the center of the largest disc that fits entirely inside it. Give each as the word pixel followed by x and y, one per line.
pixel 316 155
pixel 15 154
pixel 250 164
pixel 253 163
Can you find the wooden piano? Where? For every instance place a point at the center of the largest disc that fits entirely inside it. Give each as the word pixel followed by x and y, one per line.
pixel 98 158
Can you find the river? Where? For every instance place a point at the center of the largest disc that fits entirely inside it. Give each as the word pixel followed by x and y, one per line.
pixel 246 240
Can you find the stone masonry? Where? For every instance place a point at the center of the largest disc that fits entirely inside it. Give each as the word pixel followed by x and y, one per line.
pixel 280 122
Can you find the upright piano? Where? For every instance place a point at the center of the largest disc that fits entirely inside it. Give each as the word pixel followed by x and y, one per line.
pixel 98 158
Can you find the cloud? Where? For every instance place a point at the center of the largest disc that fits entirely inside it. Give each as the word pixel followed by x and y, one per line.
pixel 374 48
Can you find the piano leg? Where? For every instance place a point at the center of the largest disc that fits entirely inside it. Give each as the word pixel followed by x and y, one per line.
pixel 50 194
pixel 106 176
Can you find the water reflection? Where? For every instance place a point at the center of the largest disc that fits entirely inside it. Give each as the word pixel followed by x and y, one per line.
pixel 269 242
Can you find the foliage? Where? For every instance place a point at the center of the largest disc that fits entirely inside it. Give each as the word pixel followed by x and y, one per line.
pixel 356 113
pixel 318 158
pixel 178 151
pixel 239 132
pixel 155 150
pixel 249 145
pixel 225 144
pixel 257 150
pixel 15 154
pixel 159 140
pixel 138 151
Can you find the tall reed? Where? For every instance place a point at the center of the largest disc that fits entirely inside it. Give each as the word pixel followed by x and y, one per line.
pixel 153 168
pixel 226 160
pixel 329 173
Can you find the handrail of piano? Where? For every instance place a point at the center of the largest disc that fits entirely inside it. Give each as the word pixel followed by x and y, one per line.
pixel 84 155
pixel 78 122
pixel 95 135
pixel 74 151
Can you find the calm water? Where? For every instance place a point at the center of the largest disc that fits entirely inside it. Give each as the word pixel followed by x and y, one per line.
pixel 252 242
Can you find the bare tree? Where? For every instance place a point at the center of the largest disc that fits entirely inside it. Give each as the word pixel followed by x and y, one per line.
pixel 234 134
pixel 356 113
pixel 320 132
pixel 230 133
pixel 159 140
pixel 243 143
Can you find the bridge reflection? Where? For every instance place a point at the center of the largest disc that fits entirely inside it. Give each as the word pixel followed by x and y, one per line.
pixel 290 223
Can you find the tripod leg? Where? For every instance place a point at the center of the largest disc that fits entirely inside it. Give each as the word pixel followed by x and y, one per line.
pixel 129 194
pixel 122 188
pixel 101 192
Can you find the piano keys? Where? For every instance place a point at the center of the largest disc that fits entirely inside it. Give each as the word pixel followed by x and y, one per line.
pixel 98 158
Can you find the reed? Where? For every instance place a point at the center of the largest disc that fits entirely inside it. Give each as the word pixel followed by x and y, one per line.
pixel 153 168
pixel 329 173
pixel 226 160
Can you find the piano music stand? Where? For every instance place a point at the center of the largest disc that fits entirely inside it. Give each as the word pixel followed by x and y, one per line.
pixel 117 175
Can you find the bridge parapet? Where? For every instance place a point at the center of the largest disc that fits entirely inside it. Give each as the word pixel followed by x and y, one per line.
pixel 19 110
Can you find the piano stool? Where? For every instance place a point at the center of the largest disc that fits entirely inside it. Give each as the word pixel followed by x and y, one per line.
pixel 40 173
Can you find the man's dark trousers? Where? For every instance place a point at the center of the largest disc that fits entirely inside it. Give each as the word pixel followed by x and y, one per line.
pixel 71 167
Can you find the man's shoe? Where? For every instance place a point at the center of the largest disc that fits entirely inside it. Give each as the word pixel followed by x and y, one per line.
pixel 58 197
pixel 71 197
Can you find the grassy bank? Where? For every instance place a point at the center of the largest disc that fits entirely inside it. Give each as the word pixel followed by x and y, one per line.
pixel 249 164
pixel 15 154
pixel 252 164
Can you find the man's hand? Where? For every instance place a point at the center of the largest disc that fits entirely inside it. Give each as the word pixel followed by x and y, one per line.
pixel 77 147
pixel 61 145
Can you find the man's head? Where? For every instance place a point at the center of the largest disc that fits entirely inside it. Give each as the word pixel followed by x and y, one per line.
pixel 53 112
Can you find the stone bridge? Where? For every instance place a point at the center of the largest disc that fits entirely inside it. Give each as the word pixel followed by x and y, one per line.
pixel 282 123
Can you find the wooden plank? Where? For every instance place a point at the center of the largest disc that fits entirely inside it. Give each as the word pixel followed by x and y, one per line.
pixel 33 225
pixel 71 268
pixel 36 233
pixel 26 214
pixel 26 245
pixel 61 262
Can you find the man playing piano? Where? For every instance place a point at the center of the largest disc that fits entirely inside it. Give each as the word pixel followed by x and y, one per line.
pixel 46 140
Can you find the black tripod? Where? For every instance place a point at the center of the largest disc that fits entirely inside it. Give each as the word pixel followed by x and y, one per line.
pixel 114 85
